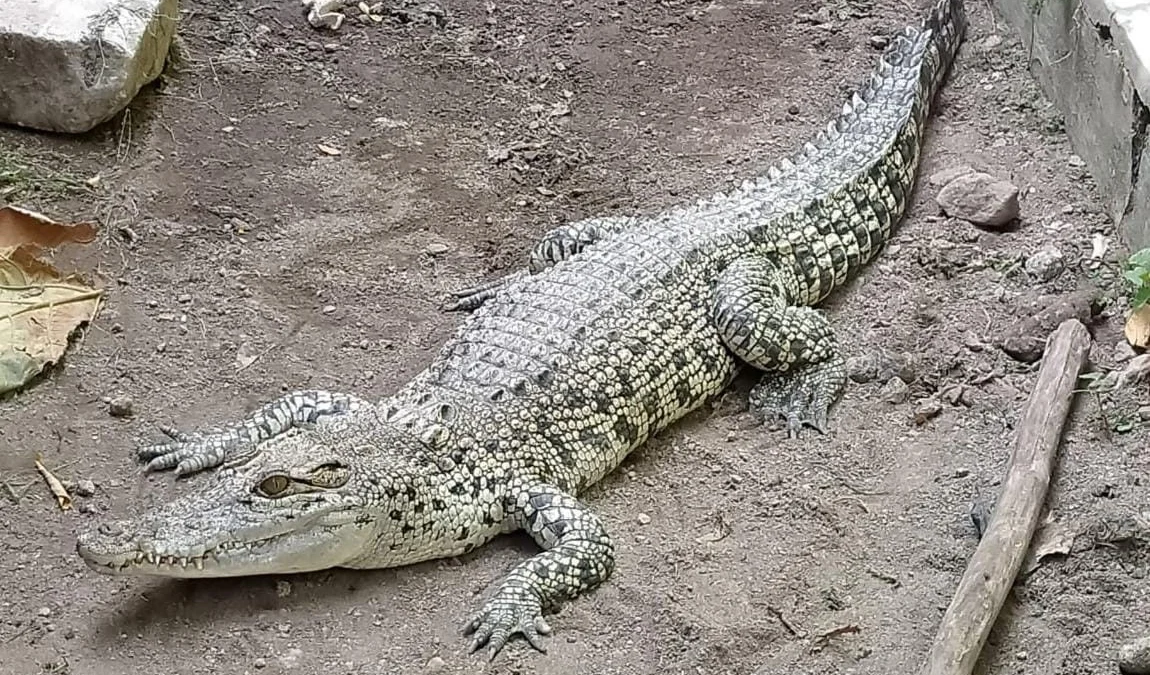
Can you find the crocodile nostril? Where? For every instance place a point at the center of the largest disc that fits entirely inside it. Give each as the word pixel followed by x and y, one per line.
pixel 110 529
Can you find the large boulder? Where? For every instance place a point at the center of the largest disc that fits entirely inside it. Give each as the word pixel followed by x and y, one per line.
pixel 69 65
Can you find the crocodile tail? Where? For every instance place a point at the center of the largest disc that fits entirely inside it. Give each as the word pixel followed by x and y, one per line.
pixel 946 26
pixel 925 52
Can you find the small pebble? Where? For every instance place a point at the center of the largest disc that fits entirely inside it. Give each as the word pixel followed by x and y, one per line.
pixel 1144 413
pixel 1046 264
pixel 69 633
pixel 927 410
pixel 435 664
pixel 44 611
pixel 283 588
pixel 261 662
pixel 84 488
pixel 121 406
pixel 436 248
pixel 878 41
pixel 643 519
pixel 793 109
pixel 895 391
pixel 328 309
pixel 1134 657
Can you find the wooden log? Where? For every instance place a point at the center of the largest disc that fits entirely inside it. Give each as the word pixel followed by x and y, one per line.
pixel 995 563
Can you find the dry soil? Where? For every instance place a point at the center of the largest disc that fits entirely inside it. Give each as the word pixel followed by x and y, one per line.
pixel 241 260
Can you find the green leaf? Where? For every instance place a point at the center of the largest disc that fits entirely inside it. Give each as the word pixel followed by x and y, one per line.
pixel 1140 258
pixel 1141 297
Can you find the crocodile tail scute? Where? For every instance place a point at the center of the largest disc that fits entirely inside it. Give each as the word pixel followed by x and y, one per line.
pixel 946 26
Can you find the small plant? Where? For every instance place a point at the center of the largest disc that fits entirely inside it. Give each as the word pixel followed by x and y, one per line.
pixel 1138 274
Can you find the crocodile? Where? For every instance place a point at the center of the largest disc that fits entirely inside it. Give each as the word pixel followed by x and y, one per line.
pixel 616 328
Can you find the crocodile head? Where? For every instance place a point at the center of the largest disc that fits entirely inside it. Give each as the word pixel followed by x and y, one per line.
pixel 304 501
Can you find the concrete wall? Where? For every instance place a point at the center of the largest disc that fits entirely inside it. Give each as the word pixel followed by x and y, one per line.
pixel 1092 58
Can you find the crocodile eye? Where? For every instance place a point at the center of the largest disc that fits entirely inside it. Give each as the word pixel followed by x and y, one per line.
pixel 274 486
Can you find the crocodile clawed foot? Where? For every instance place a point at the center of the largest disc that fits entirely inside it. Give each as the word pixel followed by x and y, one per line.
pixel 187 453
pixel 802 397
pixel 511 611
pixel 467 299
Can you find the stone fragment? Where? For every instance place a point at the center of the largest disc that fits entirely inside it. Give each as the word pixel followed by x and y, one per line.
pixel 980 199
pixel 926 410
pixel 70 66
pixel 1025 340
pixel 120 406
pixel 1046 264
pixel 1134 657
pixel 895 391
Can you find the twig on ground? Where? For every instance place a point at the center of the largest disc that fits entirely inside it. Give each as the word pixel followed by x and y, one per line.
pixel 996 561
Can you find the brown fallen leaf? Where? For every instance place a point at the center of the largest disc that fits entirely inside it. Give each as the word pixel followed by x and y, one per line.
pixel 39 307
pixel 63 499
pixel 1053 538
pixel 21 228
pixel 1137 328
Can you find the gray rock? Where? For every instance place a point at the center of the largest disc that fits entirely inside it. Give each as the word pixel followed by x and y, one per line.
pixel 1046 265
pixel 84 488
pixel 895 391
pixel 980 199
pixel 120 406
pixel 926 410
pixel 1025 340
pixel 1134 657
pixel 69 67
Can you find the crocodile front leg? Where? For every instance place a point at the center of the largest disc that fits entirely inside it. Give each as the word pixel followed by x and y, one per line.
pixel 556 245
pixel 189 453
pixel 795 345
pixel 578 556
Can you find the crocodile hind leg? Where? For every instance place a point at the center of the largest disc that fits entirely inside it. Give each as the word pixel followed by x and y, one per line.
pixel 794 345
pixel 578 556
pixel 556 245
pixel 189 453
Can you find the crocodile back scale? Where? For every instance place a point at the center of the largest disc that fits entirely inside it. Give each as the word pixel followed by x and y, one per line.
pixel 617 327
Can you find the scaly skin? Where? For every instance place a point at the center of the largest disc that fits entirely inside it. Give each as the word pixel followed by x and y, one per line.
pixel 619 327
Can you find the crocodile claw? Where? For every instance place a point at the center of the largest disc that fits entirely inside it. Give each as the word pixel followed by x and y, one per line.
pixel 188 453
pixel 511 611
pixel 467 299
pixel 801 397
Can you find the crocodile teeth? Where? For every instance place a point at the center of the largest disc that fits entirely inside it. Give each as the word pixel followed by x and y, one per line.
pixel 151 558
pixel 199 563
pixel 184 563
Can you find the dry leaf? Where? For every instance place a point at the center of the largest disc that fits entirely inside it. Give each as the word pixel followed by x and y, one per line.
pixel 39 307
pixel 20 228
pixel 1138 327
pixel 63 499
pixel 1052 538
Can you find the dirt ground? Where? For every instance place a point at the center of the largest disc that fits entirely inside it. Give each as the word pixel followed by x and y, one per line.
pixel 240 260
